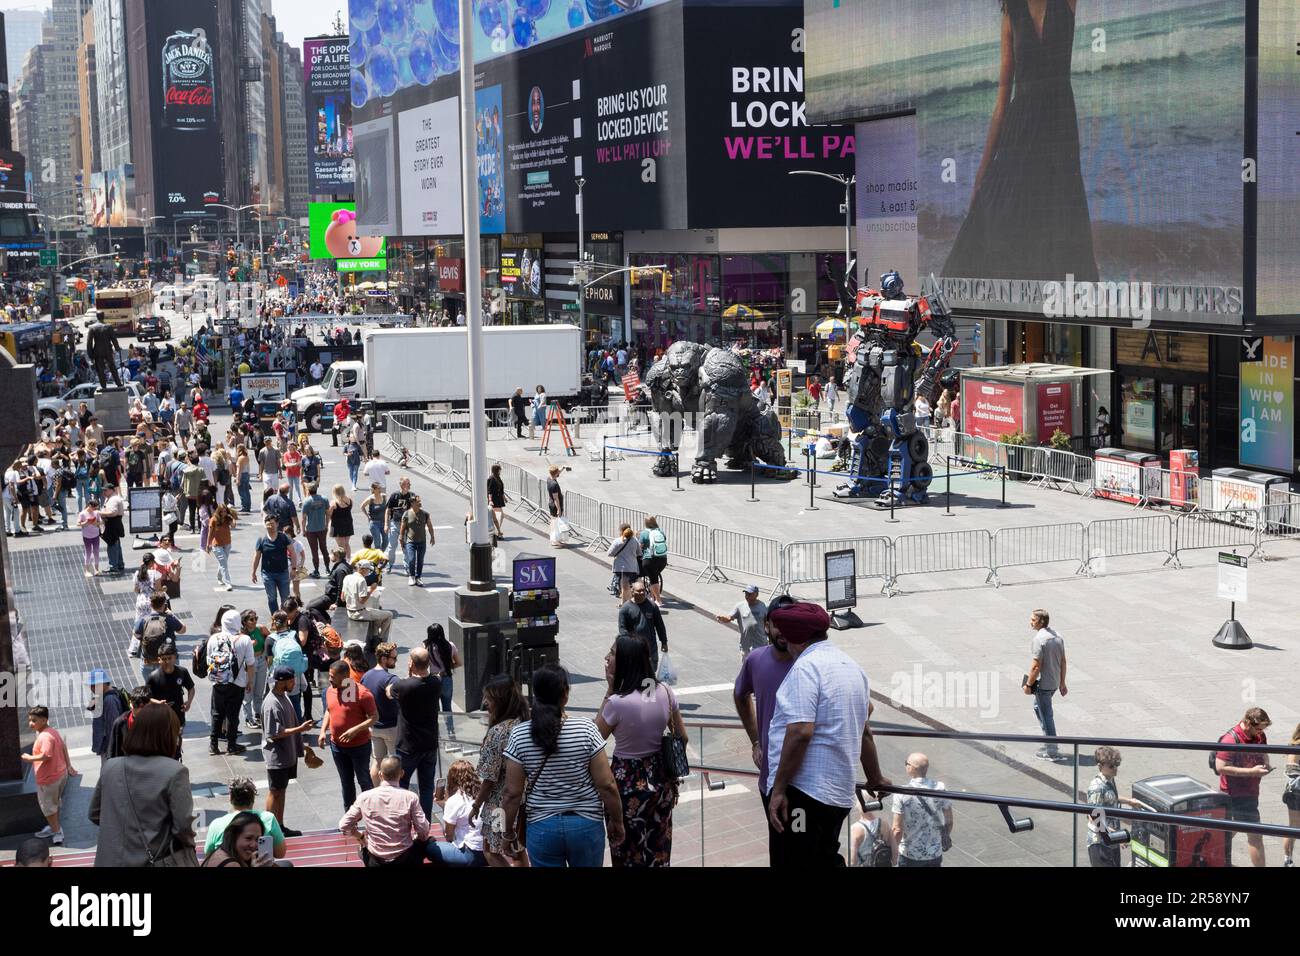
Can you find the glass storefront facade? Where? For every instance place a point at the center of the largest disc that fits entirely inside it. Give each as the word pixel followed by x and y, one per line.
pixel 413 274
pixel 753 300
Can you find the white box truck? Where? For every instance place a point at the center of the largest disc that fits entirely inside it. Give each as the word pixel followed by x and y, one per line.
pixel 419 368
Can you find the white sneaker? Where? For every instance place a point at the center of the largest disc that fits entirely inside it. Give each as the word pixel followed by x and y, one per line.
pixel 410 582
pixel 230 587
pixel 44 833
pixel 57 838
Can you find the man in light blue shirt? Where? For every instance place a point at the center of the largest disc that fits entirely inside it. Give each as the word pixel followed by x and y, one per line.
pixel 818 737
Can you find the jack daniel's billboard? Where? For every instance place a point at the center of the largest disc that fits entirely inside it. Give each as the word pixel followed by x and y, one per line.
pixel 189 82
pixel 185 95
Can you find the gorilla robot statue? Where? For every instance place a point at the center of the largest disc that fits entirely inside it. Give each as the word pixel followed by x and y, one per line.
pixel 712 384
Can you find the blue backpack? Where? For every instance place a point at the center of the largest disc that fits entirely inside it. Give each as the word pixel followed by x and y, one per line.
pixel 287 652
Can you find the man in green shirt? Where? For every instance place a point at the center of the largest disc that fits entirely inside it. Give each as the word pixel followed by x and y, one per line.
pixel 417 535
pixel 242 794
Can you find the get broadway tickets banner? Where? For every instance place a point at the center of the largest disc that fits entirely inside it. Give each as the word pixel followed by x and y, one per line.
pixel 328 99
pixel 991 409
pixel 1268 407
pixel 1055 410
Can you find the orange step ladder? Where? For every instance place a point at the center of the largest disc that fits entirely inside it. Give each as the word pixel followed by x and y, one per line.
pixel 555 419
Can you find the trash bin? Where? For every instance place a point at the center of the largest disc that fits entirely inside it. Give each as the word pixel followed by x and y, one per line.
pixel 1170 845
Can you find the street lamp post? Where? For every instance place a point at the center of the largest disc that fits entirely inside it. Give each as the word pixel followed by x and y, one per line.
pixel 847 182
pixel 582 258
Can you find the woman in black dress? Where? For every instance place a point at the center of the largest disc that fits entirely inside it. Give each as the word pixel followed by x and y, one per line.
pixel 1028 214
pixel 340 519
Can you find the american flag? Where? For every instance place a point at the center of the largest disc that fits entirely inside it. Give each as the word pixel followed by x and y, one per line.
pixel 631 384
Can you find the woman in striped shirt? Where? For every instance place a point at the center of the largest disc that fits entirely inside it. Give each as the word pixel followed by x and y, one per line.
pixel 558 777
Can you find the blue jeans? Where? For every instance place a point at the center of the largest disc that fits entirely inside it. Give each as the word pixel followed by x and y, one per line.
pixel 253 696
pixel 353 765
pixel 83 493
pixel 377 533
pixel 276 581
pixel 61 502
pixel 448 854
pixel 393 538
pixel 352 473
pixel 222 554
pixel 115 560
pixel 1046 719
pixel 415 558
pixel 448 686
pixel 566 840
pixel 246 492
pixel 426 763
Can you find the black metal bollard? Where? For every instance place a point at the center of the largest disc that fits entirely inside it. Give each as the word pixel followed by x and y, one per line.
pixel 812 465
pixel 604 451
pixel 1004 487
pixel 677 471
pixel 947 487
pixel 752 495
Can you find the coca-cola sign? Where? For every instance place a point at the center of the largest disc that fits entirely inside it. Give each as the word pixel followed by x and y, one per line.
pixel 451 274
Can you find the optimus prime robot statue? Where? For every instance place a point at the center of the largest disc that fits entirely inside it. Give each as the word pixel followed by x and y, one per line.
pixel 713 384
pixel 887 371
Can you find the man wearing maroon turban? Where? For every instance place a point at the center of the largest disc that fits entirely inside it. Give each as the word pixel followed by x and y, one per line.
pixel 818 738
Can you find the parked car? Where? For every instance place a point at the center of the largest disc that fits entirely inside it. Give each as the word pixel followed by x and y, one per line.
pixel 49 409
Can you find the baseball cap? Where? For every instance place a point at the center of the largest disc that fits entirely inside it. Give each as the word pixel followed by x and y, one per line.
pixel 365 564
pixel 751 588
pixel 98 676
pixel 285 673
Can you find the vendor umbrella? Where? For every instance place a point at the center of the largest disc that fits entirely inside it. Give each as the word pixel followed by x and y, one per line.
pixel 832 327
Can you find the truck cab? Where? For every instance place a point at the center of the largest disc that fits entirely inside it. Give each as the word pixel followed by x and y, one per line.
pixel 343 380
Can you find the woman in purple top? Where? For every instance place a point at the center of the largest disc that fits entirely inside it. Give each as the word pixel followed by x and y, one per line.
pixel 637 710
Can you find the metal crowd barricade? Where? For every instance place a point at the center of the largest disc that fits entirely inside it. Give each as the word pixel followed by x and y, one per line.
pixel 1066 469
pixel 1038 544
pixel 1121 537
pixel 612 516
pixel 942 552
pixel 1027 460
pixel 742 553
pixel 1178 489
pixel 583 513
pixel 1216 529
pixel 689 540
pixel 803 562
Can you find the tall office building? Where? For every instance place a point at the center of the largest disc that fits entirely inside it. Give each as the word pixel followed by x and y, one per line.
pixel 295 132
pixel 87 100
pixel 47 103
pixel 6 132
pixel 113 98
pixel 22 32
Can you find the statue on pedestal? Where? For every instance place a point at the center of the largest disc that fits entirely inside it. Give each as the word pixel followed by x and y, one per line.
pixel 101 349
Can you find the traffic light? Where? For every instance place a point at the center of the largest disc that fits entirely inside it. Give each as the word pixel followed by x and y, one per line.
pixel 666 282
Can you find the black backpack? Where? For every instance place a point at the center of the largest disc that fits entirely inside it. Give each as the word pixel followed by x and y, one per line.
pixel 1214 754
pixel 153 635
pixel 199 659
pixel 107 460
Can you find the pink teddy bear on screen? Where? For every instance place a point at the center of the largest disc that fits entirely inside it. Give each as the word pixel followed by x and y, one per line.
pixel 341 238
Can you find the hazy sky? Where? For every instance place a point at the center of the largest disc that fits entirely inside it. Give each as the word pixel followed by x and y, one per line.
pixel 294 18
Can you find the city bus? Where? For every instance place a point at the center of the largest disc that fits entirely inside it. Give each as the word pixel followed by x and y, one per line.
pixel 121 308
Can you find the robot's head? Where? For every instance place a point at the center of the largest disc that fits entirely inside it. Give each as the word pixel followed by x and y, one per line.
pixel 891 285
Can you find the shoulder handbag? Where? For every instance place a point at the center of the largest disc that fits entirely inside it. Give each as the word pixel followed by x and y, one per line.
pixel 944 837
pixel 672 749
pixel 171 853
pixel 521 821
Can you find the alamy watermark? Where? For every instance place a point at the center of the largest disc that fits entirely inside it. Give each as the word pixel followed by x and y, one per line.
pixel 1131 301
pixel 932 690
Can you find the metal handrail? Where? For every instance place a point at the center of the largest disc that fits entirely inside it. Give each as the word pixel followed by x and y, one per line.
pixel 1098 741
pixel 1035 803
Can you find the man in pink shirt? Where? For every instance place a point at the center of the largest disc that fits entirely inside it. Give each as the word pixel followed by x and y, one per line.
pixel 53 766
pixel 396 828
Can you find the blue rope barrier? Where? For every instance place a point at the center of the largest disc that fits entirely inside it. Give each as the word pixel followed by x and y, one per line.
pixel 849 476
pixel 641 451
